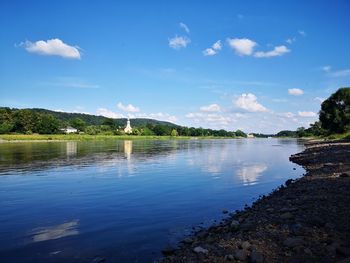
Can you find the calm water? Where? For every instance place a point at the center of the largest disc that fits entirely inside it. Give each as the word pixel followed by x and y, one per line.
pixel 126 200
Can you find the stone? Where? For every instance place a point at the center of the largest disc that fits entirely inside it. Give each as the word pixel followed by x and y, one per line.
pixel 287 215
pixel 234 225
pixel 225 211
pixel 256 257
pixel 188 240
pixel 246 245
pixel 241 254
pixel 229 257
pixel 293 242
pixel 199 250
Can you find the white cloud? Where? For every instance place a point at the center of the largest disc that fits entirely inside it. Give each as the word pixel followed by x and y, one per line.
pixel 326 68
pixel 250 174
pixel 127 108
pixel 52 47
pixel 242 46
pixel 277 51
pixel 179 42
pixel 211 108
pixel 302 33
pixel 109 114
pixel 295 92
pixel 159 116
pixel 184 27
pixel 209 52
pixel 288 114
pixel 213 50
pixel 291 40
pixel 217 45
pixel 307 114
pixel 249 102
pixel 340 73
pixel 208 119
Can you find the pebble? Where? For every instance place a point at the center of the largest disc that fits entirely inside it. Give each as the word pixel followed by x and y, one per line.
pixel 241 254
pixel 293 241
pixel 200 250
pixel 287 215
pixel 234 225
pixel 256 257
pixel 246 245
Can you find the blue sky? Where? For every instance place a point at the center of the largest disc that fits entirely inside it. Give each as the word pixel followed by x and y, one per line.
pixel 259 66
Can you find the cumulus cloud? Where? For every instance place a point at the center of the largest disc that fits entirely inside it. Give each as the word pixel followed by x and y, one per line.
pixel 249 102
pixel 242 46
pixel 127 108
pixel 211 108
pixel 184 27
pixel 109 114
pixel 213 50
pixel 295 92
pixel 179 42
pixel 307 114
pixel 52 47
pixel 276 52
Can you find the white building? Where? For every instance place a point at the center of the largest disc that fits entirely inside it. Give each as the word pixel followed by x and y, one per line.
pixel 128 128
pixel 69 129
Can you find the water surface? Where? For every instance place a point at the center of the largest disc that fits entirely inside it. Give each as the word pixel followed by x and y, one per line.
pixel 126 200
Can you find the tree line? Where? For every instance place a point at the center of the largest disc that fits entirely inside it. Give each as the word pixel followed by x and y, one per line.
pixel 29 121
pixel 334 117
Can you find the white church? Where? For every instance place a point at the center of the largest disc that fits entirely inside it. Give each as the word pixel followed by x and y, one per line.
pixel 128 128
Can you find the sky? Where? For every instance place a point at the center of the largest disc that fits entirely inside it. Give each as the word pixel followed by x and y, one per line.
pixel 258 66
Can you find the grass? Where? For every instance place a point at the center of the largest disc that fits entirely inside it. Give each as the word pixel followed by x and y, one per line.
pixel 86 137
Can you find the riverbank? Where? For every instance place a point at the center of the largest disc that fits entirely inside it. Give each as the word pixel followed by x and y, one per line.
pixel 306 220
pixel 87 137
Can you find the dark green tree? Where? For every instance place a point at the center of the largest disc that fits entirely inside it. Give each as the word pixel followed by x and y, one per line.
pixel 48 124
pixel 335 112
pixel 78 124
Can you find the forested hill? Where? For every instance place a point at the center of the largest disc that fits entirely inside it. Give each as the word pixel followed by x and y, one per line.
pixel 67 117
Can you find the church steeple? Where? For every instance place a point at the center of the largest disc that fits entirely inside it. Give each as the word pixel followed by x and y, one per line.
pixel 128 128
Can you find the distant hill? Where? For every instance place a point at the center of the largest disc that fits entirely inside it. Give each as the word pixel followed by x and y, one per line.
pixel 98 120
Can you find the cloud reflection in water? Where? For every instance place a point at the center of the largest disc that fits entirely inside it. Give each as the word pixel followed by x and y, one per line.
pixel 250 174
pixel 55 232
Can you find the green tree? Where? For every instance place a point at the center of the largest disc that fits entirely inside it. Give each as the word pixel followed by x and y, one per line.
pixel 174 133
pixel 240 133
pixel 78 124
pixel 335 112
pixel 48 124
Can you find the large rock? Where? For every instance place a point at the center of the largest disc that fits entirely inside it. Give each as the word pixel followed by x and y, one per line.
pixel 199 250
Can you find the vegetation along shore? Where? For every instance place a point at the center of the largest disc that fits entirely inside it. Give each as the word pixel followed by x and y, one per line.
pixel 305 220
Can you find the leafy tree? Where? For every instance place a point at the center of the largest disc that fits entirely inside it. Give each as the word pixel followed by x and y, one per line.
pixel 240 133
pixel 6 127
pixel 48 124
pixel 335 112
pixel 78 124
pixel 174 133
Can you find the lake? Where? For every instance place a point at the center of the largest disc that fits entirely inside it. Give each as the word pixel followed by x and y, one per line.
pixel 123 201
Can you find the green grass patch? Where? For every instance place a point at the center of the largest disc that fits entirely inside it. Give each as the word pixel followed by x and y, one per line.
pixel 86 137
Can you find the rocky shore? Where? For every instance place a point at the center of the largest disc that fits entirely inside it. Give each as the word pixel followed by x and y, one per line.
pixel 305 220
